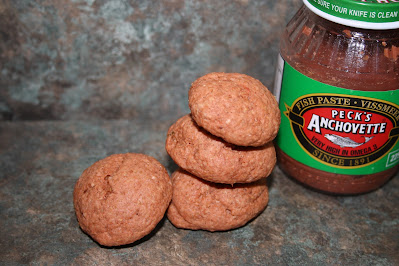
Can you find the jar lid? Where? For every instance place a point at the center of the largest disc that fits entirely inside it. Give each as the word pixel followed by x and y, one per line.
pixel 366 14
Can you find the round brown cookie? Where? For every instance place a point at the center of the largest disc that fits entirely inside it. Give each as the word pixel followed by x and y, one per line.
pixel 121 198
pixel 209 157
pixel 199 204
pixel 235 107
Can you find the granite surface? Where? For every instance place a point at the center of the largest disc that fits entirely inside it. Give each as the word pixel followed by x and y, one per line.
pixel 83 79
pixel 113 59
pixel 41 161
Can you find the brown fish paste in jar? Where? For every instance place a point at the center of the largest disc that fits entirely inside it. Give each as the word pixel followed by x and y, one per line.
pixel 334 126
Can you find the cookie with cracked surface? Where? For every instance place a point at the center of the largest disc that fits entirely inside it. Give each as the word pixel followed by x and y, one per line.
pixel 235 107
pixel 199 204
pixel 213 159
pixel 122 198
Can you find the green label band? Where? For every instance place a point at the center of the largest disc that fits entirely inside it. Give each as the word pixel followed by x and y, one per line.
pixel 367 11
pixel 337 130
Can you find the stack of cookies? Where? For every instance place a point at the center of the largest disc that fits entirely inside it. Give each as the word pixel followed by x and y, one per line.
pixel 225 152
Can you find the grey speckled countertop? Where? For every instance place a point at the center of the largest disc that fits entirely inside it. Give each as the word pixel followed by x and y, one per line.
pixel 83 79
pixel 41 161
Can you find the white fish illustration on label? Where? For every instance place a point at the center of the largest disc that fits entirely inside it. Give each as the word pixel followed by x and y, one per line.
pixel 345 142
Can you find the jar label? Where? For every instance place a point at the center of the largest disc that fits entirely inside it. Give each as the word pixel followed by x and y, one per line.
pixel 368 14
pixel 335 129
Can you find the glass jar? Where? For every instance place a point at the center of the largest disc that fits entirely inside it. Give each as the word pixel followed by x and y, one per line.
pixel 337 82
